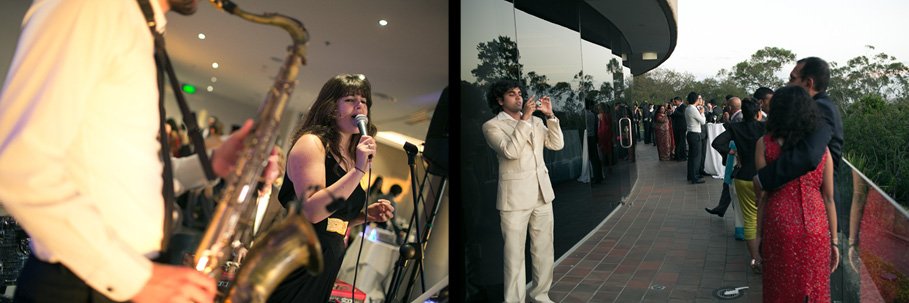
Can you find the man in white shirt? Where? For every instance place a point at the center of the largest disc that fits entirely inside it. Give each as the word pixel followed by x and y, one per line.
pixel 79 158
pixel 525 194
pixel 694 118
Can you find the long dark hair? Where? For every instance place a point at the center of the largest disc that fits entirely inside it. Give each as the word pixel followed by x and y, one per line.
pixel 793 115
pixel 321 118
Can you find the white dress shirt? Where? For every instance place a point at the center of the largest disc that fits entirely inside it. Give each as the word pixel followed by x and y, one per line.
pixel 694 119
pixel 79 166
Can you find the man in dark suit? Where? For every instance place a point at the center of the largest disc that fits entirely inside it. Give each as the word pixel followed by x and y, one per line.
pixel 813 74
pixel 679 128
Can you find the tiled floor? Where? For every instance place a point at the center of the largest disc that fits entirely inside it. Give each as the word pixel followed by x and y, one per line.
pixel 661 247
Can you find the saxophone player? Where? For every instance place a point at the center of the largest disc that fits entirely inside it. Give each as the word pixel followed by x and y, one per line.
pixel 329 154
pixel 79 159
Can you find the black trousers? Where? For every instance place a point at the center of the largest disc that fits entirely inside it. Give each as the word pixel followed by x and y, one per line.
pixel 725 199
pixel 703 150
pixel 694 155
pixel 648 132
pixel 680 148
pixel 593 153
pixel 43 282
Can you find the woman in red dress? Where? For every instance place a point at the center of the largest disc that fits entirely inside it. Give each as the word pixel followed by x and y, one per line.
pixel 605 134
pixel 663 133
pixel 796 221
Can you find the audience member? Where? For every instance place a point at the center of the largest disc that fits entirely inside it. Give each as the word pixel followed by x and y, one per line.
pixel 763 96
pixel 694 119
pixel 605 134
pixel 744 134
pixel 797 219
pixel 663 133
pixel 679 127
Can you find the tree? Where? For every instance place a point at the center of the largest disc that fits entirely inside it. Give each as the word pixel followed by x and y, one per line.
pixel 718 88
pixel 537 84
pixel 761 69
pixel 498 60
pixel 605 92
pixel 618 78
pixel 660 85
pixel 561 94
pixel 585 86
pixel 873 75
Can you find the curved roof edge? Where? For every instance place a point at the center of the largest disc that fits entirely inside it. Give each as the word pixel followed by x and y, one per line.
pixel 643 33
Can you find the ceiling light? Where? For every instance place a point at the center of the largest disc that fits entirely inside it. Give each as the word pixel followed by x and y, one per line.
pixel 201 36
pixel 649 56
pixel 383 22
pixel 210 88
pixel 214 65
pixel 214 79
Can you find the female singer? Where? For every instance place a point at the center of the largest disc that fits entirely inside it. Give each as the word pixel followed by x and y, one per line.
pixel 328 159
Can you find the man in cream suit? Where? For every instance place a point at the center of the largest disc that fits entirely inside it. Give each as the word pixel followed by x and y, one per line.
pixel 525 192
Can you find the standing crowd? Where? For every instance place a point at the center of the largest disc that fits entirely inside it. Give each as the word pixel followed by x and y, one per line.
pixel 780 149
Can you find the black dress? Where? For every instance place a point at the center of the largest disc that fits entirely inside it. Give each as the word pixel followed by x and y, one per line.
pixel 300 286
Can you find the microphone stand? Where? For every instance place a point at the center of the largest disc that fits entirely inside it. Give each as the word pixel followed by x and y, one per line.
pixel 406 248
pixel 428 225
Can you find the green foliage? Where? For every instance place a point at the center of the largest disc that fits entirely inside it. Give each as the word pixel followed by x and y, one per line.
pixel 660 85
pixel 761 69
pixel 498 60
pixel 878 132
pixel 879 74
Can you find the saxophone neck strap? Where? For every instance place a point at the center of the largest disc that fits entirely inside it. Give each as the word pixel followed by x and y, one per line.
pixel 163 65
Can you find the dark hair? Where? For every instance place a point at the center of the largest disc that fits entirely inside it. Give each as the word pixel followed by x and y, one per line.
pixel 215 127
pixel 676 98
pixel 395 190
pixel 793 115
pixel 497 91
pixel 713 101
pixel 762 92
pixel 321 120
pixel 172 123
pixel 750 108
pixel 692 97
pixel 376 185
pixel 602 107
pixel 817 69
pixel 729 97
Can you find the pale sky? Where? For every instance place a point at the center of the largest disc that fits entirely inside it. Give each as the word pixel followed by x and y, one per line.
pixel 715 34
pixel 712 34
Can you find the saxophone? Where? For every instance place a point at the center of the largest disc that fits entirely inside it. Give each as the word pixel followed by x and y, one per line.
pixel 290 244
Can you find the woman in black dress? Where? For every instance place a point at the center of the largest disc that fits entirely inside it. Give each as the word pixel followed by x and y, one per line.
pixel 328 159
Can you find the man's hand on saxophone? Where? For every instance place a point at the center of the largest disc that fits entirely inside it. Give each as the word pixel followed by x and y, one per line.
pixel 225 156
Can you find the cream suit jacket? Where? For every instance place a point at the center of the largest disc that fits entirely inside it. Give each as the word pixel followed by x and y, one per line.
pixel 519 148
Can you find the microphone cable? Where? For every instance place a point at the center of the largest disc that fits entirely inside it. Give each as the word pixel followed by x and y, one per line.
pixel 353 285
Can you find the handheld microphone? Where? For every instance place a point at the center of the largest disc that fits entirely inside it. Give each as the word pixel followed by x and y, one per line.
pixel 361 121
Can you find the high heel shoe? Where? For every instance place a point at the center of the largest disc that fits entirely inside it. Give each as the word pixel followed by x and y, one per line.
pixel 757 266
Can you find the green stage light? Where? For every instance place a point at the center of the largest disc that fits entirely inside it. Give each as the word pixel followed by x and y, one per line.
pixel 189 88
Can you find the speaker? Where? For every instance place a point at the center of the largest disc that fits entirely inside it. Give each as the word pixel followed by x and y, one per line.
pixel 435 150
